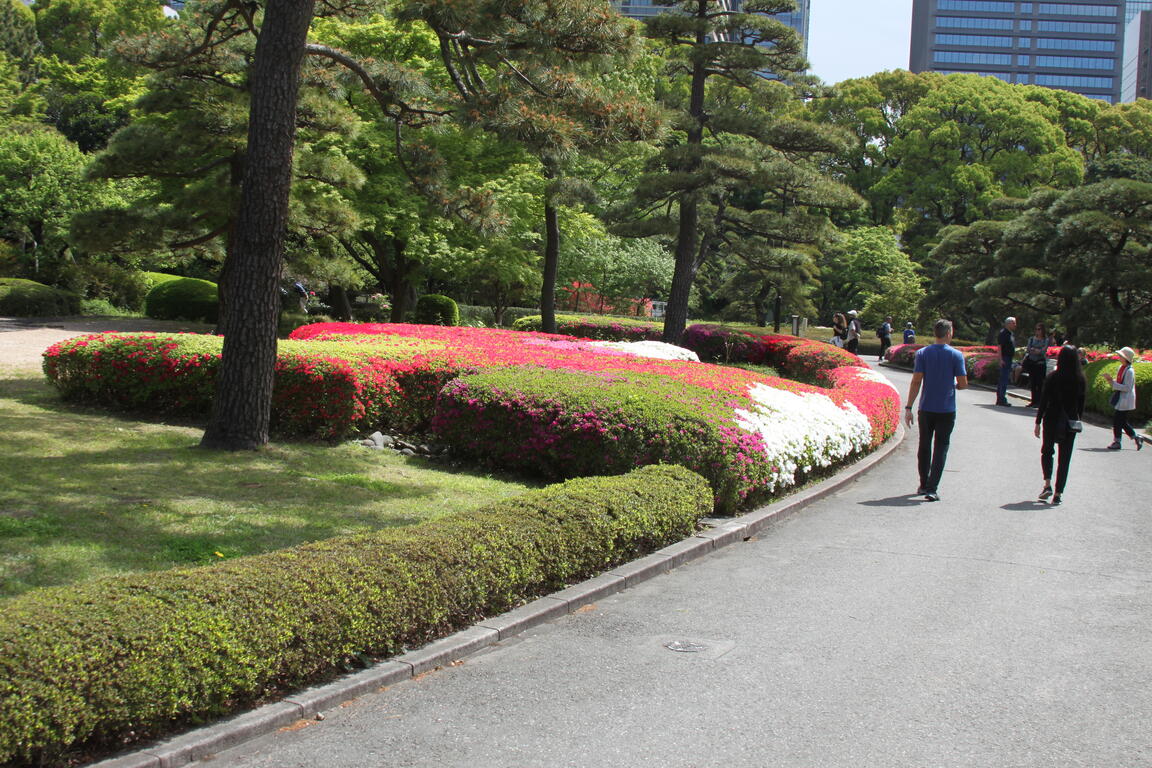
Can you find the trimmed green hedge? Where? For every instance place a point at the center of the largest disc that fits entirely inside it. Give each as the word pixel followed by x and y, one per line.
pixel 1100 391
pixel 599 327
pixel 28 298
pixel 117 660
pixel 434 309
pixel 186 298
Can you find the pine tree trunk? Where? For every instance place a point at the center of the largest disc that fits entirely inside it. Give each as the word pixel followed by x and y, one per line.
pixel 551 257
pixel 684 269
pixel 242 409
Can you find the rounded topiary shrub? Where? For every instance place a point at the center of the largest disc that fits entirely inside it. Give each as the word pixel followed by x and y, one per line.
pixel 184 299
pixel 120 287
pixel 153 279
pixel 28 298
pixel 434 309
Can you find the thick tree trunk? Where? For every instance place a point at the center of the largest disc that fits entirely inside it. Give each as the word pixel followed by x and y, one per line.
pixel 242 409
pixel 338 300
pixel 776 314
pixel 551 257
pixel 686 262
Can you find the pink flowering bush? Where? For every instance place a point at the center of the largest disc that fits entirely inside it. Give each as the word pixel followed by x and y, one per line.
pixel 563 424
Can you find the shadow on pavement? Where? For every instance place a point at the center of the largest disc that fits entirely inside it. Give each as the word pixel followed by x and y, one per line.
pixel 905 500
pixel 1025 506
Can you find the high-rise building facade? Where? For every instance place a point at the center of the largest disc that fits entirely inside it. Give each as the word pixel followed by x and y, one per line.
pixel 797 19
pixel 1075 46
pixel 1136 77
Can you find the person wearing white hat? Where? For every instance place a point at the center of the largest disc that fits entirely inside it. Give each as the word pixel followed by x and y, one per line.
pixel 1123 399
pixel 854 331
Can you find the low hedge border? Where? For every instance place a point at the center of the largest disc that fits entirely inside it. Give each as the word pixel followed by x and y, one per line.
pixel 598 327
pixel 111 662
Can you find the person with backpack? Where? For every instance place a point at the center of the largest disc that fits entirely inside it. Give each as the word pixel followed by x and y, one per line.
pixel 909 334
pixel 1123 400
pixel 885 334
pixel 1058 410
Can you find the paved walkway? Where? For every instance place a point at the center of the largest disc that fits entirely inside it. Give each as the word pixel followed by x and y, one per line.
pixel 24 339
pixel 872 629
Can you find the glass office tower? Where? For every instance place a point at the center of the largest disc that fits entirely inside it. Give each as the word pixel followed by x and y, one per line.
pixel 1075 46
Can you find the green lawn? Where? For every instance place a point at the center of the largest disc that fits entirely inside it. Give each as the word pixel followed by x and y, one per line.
pixel 85 494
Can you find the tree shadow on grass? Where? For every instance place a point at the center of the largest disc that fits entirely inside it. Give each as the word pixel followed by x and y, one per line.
pixel 87 493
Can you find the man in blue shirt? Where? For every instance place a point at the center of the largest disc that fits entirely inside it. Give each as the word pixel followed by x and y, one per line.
pixel 940 371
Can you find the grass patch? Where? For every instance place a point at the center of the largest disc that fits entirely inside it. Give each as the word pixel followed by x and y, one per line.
pixel 86 494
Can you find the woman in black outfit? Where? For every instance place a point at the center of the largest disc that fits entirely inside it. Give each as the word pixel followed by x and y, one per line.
pixel 1061 401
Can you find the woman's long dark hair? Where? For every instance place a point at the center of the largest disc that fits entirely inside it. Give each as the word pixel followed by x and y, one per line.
pixel 1068 367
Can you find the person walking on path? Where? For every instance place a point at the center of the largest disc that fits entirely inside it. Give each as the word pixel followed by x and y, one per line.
pixel 1061 402
pixel 885 334
pixel 939 370
pixel 1036 362
pixel 1007 343
pixel 854 331
pixel 1123 400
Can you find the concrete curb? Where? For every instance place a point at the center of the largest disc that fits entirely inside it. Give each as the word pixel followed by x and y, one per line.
pixel 309 703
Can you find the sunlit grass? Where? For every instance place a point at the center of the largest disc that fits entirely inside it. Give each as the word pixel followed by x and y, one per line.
pixel 84 493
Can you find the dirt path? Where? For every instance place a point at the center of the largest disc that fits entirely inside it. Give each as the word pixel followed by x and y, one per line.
pixel 24 339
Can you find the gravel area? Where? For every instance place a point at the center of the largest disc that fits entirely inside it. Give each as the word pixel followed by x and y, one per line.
pixel 24 339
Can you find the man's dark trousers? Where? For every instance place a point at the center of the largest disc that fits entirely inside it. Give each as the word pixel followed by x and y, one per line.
pixel 1005 379
pixel 935 435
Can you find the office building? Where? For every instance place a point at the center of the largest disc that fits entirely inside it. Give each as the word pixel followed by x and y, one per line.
pixel 1136 71
pixel 1075 46
pixel 797 19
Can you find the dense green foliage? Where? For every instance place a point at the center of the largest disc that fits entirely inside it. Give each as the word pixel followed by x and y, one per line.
pixel 27 298
pixel 120 659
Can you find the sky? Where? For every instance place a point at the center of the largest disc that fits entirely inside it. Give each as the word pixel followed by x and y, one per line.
pixel 856 38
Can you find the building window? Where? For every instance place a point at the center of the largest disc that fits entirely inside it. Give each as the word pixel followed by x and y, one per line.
pixel 963 22
pixel 1067 9
pixel 975 5
pixel 1074 62
pixel 956 57
pixel 1074 81
pixel 984 41
pixel 1025 7
pixel 1020 79
pixel 1025 25
pixel 1024 42
pixel 1083 27
pixel 1107 46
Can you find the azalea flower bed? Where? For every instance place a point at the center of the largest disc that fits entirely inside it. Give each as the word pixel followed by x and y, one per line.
pixel 551 404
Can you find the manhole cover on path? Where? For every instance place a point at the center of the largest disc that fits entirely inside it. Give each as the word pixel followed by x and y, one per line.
pixel 685 646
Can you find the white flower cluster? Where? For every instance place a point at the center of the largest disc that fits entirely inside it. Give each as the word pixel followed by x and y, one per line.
pixel 655 349
pixel 802 431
